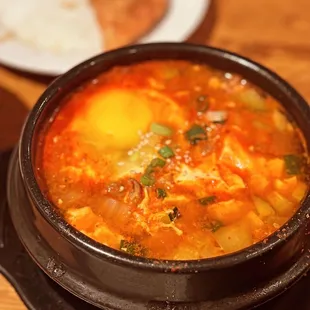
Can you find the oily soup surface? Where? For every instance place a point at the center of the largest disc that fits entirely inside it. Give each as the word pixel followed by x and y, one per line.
pixel 173 160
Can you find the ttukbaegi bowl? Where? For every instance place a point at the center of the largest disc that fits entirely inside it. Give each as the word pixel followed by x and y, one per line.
pixel 110 279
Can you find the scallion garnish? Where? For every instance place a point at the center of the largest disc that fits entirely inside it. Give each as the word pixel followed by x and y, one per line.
pixel 195 134
pixel 161 130
pixel 147 180
pixel 157 162
pixel 175 214
pixel 132 248
pixel 166 152
pixel 205 201
pixel 161 193
pixel 292 164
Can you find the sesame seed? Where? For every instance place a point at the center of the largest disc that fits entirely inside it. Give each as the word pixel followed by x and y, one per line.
pixel 121 188
pixel 168 142
pixel 130 153
pixel 121 163
pixel 228 76
pixel 51 119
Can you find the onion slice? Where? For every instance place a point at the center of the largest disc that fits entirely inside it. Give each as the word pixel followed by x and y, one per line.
pixel 217 116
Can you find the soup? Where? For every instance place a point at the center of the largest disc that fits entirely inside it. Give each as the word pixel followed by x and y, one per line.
pixel 172 160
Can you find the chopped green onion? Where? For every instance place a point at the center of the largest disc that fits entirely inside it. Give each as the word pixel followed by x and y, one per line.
pixel 149 170
pixel 161 193
pixel 202 103
pixel 292 164
pixel 196 133
pixel 156 162
pixel 132 248
pixel 147 180
pixel 205 201
pixel 175 214
pixel 166 152
pixel 161 130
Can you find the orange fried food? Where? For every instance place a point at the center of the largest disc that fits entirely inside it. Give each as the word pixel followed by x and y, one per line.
pixel 125 21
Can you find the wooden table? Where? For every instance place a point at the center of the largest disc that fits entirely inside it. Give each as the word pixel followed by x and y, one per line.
pixel 275 33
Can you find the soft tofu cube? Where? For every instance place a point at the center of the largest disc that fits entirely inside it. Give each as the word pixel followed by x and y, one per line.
pixel 234 155
pixel 234 237
pixel 283 206
pixel 227 212
pixel 263 208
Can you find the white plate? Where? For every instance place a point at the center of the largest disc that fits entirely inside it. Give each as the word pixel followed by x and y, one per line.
pixel 183 18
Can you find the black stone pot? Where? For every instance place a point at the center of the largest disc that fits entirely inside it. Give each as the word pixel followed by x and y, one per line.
pixel 110 279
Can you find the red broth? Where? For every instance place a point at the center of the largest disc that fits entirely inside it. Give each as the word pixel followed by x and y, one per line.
pixel 173 160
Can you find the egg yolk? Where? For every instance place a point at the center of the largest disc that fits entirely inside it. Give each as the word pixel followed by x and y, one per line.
pixel 114 117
